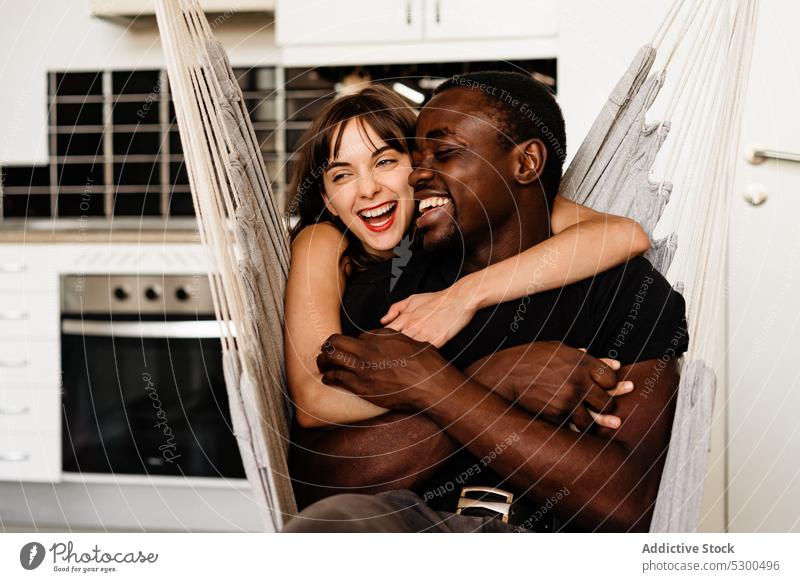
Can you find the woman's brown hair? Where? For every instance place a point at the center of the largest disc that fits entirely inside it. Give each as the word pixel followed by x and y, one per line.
pixel 388 116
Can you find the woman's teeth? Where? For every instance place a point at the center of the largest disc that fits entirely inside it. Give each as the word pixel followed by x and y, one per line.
pixel 380 216
pixel 433 202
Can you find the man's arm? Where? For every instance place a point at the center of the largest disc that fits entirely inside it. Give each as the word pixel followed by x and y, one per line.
pixel 397 450
pixel 612 476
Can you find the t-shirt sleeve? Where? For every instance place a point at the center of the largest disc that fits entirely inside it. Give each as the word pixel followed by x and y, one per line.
pixel 638 315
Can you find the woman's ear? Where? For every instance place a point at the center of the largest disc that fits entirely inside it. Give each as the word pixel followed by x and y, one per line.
pixel 530 161
pixel 328 204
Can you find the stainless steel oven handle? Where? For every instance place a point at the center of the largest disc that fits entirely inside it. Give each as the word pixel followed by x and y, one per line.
pixel 192 329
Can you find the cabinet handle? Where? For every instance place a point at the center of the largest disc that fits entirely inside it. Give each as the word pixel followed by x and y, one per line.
pixel 12 268
pixel 408 12
pixel 13 364
pixel 13 315
pixel 14 457
pixel 438 14
pixel 18 411
pixel 758 155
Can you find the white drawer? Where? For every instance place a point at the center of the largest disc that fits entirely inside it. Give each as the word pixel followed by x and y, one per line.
pixel 29 315
pixel 29 457
pixel 30 410
pixel 29 363
pixel 28 267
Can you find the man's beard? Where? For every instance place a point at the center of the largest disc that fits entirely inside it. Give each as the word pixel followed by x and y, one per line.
pixel 448 240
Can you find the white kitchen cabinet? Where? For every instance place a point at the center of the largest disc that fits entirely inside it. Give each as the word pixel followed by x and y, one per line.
pixel 29 456
pixel 28 362
pixel 27 314
pixel 29 410
pixel 481 19
pixel 323 22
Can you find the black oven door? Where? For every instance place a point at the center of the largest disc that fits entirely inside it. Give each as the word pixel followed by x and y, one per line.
pixel 145 397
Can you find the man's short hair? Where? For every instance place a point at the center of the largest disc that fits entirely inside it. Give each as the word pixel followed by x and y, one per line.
pixel 522 108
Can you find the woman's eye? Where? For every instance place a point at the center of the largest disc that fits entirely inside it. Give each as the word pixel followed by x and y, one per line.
pixel 338 177
pixel 386 162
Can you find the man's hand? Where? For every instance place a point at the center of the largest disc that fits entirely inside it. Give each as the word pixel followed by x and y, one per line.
pixel 555 382
pixel 382 366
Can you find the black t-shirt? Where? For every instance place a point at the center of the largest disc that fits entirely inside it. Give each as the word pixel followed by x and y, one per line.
pixel 629 313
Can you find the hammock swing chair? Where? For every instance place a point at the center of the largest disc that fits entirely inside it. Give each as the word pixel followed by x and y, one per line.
pixel 705 44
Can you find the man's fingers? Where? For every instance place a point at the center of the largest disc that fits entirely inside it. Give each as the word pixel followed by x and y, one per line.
pixel 622 388
pixel 342 342
pixel 611 363
pixel 606 420
pixel 339 377
pixel 598 399
pixel 333 359
pixel 602 374
pixel 581 418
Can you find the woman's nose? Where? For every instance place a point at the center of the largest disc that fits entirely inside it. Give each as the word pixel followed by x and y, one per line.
pixel 368 186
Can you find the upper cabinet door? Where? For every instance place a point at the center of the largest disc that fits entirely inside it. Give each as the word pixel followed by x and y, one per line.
pixel 490 19
pixel 347 21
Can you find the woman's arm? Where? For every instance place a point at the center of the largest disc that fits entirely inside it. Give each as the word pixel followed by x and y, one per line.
pixel 313 299
pixel 584 243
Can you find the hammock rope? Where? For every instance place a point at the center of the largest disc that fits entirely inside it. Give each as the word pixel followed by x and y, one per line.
pixel 709 43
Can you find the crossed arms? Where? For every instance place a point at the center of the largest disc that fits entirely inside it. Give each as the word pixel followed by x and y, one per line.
pixel 612 475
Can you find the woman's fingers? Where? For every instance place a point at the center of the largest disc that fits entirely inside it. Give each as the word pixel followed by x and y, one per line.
pixel 395 310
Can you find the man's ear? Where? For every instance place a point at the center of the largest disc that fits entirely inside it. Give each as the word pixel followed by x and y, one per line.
pixel 328 204
pixel 531 157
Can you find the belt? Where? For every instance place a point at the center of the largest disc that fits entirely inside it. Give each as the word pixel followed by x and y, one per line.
pixel 494 502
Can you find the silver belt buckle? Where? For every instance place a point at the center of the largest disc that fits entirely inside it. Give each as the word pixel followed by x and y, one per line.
pixel 501 507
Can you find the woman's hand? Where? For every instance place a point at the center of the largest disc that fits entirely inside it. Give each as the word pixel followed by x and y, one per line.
pixel 432 317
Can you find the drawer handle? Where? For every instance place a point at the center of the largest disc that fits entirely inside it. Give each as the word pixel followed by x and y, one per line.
pixel 13 315
pixel 15 364
pixel 15 411
pixel 14 457
pixel 12 268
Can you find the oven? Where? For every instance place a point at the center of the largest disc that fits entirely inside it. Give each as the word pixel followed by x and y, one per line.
pixel 142 379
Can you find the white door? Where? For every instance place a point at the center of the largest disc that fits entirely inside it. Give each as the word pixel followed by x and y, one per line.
pixel 489 19
pixel 764 303
pixel 319 22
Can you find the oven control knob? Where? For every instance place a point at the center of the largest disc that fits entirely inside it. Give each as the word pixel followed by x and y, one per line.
pixel 121 293
pixel 152 293
pixel 182 294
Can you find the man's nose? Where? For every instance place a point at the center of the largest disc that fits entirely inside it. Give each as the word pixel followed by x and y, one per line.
pixel 419 175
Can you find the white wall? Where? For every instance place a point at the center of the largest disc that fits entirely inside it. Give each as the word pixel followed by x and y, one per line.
pixel 37 36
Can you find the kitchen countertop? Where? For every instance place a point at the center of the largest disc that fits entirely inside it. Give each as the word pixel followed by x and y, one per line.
pixel 107 236
pixel 100 231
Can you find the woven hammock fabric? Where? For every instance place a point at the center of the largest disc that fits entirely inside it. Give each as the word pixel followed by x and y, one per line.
pixel 247 244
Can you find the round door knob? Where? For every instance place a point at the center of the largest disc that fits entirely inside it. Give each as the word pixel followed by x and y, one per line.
pixel 152 293
pixel 121 293
pixel 756 194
